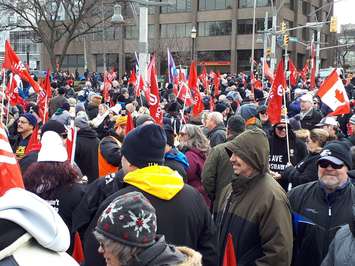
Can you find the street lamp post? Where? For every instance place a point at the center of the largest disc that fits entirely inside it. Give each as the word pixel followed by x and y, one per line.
pixel 118 19
pixel 193 40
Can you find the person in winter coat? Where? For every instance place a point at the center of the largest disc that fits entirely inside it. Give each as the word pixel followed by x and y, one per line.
pixel 196 148
pixel 216 129
pixel 31 232
pixel 309 115
pixel 217 172
pixel 182 215
pixel 307 169
pixel 54 179
pixel 322 206
pixel 92 108
pixel 86 150
pixel 57 101
pixel 254 210
pixel 341 250
pixel 174 158
pixel 278 150
pixel 126 241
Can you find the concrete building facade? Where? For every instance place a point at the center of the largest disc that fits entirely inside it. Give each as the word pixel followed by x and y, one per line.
pixel 224 35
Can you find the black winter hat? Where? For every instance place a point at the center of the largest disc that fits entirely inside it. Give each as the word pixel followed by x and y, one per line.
pixel 130 219
pixel 145 145
pixel 337 152
pixel 236 124
pixel 220 107
pixel 53 125
pixel 111 151
pixel 170 136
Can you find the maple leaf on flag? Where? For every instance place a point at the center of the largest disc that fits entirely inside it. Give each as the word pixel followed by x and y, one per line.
pixel 340 96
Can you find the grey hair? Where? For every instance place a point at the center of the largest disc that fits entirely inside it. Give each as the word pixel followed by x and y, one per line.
pixel 196 138
pixel 216 116
pixel 124 253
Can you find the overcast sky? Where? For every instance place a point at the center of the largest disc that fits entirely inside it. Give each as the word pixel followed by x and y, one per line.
pixel 344 10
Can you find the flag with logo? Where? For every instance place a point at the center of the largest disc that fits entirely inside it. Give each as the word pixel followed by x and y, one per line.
pixel 275 98
pixel 198 104
pixel 293 73
pixel 305 71
pixel 184 94
pixel 332 92
pixel 10 173
pixel 154 99
pixel 13 63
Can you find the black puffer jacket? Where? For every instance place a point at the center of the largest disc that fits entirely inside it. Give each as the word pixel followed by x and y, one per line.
pixel 304 172
pixel 86 153
pixel 326 212
pixel 311 119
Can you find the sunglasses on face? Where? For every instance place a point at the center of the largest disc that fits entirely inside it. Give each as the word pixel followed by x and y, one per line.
pixel 325 164
pixel 262 112
pixel 281 128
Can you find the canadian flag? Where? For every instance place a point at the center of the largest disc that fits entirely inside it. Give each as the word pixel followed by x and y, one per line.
pixel 333 94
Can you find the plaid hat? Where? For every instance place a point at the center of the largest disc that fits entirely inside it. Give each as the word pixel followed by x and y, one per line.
pixel 130 219
pixel 145 145
pixel 30 118
pixel 337 152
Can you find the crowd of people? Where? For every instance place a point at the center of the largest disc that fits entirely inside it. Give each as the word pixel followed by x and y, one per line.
pixel 224 185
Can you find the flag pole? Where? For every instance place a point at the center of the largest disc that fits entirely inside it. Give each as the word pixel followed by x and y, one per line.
pixel 3 95
pixel 285 108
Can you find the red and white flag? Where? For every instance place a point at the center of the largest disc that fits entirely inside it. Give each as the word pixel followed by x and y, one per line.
pixel 293 73
pixel 333 94
pixel 13 62
pixel 10 173
pixel 268 73
pixel 71 142
pixel 184 94
pixel 154 100
pixel 276 93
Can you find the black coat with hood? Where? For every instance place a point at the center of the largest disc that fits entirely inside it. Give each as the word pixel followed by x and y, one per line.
pixel 86 153
pixel 182 216
pixel 278 153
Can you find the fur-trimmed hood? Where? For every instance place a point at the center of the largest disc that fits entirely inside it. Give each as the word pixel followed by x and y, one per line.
pixel 193 258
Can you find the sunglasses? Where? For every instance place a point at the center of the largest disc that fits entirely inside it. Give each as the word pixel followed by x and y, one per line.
pixel 262 112
pixel 281 128
pixel 326 163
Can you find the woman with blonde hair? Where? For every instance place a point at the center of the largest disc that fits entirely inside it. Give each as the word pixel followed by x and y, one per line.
pixel 196 146
pixel 307 170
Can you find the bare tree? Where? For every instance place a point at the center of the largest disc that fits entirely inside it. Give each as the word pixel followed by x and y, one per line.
pixel 56 23
pixel 345 38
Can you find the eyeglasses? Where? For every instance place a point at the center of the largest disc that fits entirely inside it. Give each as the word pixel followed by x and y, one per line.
pixel 262 112
pixel 281 128
pixel 326 163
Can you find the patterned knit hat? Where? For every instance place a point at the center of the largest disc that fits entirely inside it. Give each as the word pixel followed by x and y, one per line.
pixel 130 219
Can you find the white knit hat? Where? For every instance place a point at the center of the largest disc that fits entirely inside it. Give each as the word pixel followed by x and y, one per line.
pixel 52 149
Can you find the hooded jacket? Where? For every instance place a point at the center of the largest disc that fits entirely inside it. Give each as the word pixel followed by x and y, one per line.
pixel 255 209
pixel 31 232
pixel 86 153
pixel 182 216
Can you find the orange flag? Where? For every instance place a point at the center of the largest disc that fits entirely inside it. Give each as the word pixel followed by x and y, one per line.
pixel 10 174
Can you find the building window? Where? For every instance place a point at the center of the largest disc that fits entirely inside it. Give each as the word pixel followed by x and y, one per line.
pixel 175 30
pixel 214 56
pixel 306 8
pixel 214 28
pixel 131 32
pixel 76 60
pixel 245 26
pixel 243 58
pixel 112 60
pixel 176 6
pixel 214 4
pixel 250 3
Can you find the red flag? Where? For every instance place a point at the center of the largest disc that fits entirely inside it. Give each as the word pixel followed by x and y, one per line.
pixel 140 86
pixel 268 73
pixel 198 105
pixel 154 99
pixel 132 78
pixel 106 88
pixel 44 97
pixel 293 73
pixel 10 174
pixel 13 62
pixel 130 124
pixel 229 258
pixel 276 93
pixel 216 84
pixel 33 144
pixel 333 94
pixel 78 252
pixel 204 78
pixel 12 91
pixel 185 95
pixel 304 71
